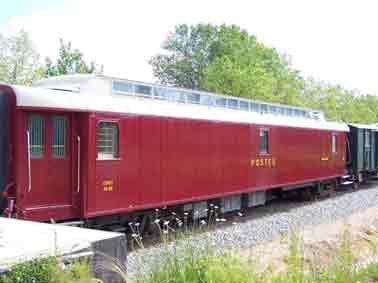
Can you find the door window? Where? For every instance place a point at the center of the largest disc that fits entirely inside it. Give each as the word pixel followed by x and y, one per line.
pixel 36 135
pixel 59 141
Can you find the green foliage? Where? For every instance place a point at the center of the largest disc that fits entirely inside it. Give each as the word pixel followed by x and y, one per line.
pixel 191 264
pixel 47 270
pixel 19 62
pixel 294 259
pixel 339 104
pixel 79 272
pixel 40 270
pixel 18 59
pixel 190 50
pixel 70 61
pixel 247 68
pixel 194 265
pixel 226 59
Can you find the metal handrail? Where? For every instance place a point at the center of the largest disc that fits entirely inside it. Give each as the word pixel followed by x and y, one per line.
pixel 78 164
pixel 29 163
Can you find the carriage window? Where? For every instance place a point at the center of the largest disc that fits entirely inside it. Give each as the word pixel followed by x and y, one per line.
pixel 220 102
pixel 254 107
pixel 232 103
pixel 143 89
pixel 107 140
pixel 264 108
pixel 334 147
pixel 194 98
pixel 206 100
pixel 36 135
pixel 264 141
pixel 59 136
pixel 243 105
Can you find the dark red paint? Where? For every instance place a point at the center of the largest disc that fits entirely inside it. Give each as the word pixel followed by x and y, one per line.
pixel 162 161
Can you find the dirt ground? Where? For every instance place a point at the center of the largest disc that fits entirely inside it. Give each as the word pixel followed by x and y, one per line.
pixel 322 242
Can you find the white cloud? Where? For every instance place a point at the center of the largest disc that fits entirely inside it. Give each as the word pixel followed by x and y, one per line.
pixel 330 40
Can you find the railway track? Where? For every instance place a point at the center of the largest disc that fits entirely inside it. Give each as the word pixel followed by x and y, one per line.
pixel 220 221
pixel 263 223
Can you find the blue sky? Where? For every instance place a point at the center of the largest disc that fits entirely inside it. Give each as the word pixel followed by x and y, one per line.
pixel 334 41
pixel 17 8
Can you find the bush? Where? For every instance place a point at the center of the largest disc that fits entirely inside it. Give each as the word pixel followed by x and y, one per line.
pixel 48 270
pixel 39 270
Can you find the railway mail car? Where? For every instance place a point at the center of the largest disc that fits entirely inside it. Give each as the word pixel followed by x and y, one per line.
pixel 96 148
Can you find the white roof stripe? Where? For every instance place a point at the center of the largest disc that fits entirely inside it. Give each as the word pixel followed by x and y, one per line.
pixel 99 98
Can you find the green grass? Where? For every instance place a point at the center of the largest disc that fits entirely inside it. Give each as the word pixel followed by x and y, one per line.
pixel 187 263
pixel 192 265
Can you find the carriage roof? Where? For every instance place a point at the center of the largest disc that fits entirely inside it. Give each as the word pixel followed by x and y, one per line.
pixel 108 94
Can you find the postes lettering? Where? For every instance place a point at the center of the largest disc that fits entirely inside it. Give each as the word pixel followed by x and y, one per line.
pixel 264 162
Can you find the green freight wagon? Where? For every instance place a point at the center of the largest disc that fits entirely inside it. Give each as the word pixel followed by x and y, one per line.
pixel 362 152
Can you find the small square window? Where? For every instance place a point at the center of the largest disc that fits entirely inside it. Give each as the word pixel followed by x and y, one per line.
pixel 220 102
pixel 232 103
pixel 161 93
pixel 206 100
pixel 107 140
pixel 254 107
pixel 264 108
pixel 143 90
pixel 243 105
pixel 123 87
pixel 193 98
pixel 264 141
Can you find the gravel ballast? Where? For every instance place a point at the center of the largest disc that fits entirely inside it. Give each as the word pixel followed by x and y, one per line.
pixel 267 223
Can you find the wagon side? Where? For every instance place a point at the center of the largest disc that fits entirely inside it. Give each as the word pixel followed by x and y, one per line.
pixel 363 150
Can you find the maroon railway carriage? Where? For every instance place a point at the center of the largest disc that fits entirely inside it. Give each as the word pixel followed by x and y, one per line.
pixel 91 147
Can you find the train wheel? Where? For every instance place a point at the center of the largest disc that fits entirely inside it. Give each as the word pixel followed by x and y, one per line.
pixel 355 185
pixel 308 194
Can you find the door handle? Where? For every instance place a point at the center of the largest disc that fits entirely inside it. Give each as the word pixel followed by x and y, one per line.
pixel 29 163
pixel 78 164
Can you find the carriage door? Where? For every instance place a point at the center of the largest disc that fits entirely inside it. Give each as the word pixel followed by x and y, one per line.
pixel 50 190
pixel 326 157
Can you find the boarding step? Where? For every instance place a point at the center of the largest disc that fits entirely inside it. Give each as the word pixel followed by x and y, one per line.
pixel 72 223
pixel 116 228
pixel 346 183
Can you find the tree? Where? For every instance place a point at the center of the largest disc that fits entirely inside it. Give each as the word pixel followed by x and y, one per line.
pixel 70 61
pixel 228 60
pixel 189 52
pixel 19 62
